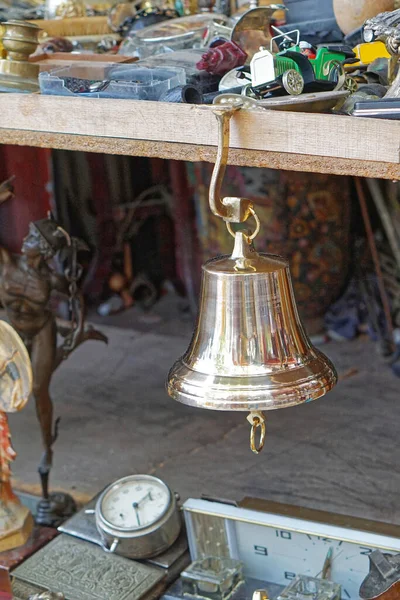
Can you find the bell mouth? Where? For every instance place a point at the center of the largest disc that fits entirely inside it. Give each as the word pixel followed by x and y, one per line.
pixel 271 391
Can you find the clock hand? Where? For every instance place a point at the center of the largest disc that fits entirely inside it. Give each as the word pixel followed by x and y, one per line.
pixel 330 557
pixel 148 495
pixel 136 508
pixel 327 567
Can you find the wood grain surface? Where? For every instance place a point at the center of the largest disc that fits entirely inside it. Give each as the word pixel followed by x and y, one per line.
pixel 285 140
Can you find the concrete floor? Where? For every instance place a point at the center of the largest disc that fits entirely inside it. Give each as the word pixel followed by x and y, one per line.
pixel 340 453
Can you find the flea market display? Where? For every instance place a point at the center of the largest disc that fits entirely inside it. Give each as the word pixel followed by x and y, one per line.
pixel 201 54
pixel 136 539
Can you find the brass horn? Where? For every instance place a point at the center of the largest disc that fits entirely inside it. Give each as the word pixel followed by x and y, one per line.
pixel 249 350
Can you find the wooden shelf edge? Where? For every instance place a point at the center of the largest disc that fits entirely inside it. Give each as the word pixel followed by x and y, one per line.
pixel 256 136
pixel 194 153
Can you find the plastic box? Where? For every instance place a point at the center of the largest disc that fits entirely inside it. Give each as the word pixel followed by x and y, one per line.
pixel 125 81
pixel 186 59
pixel 171 35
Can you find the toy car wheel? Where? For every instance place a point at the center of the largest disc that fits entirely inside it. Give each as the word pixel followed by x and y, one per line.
pixel 293 82
pixel 350 84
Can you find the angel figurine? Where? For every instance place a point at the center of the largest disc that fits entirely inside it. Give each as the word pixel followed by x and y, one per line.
pixel 16 521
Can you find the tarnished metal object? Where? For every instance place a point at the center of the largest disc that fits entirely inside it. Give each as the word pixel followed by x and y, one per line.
pixel 26 284
pixel 383 581
pixel 316 102
pixel 252 29
pixel 234 100
pixel 20 39
pixel 385 27
pixel 83 571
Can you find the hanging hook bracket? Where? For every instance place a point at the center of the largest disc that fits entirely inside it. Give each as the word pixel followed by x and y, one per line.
pixel 231 209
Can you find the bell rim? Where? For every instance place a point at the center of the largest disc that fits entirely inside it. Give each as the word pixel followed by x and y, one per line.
pixel 253 395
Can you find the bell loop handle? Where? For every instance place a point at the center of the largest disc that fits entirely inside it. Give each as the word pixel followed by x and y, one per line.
pixel 232 210
pixel 251 236
pixel 257 421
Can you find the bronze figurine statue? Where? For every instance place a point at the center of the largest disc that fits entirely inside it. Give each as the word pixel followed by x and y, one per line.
pixel 26 284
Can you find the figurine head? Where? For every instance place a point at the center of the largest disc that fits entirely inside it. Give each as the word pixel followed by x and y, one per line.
pixel 45 238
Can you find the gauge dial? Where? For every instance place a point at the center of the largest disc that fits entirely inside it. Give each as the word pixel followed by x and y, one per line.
pixel 136 503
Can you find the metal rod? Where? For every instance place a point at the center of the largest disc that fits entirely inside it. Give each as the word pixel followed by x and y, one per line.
pixel 232 210
pixel 387 221
pixel 375 258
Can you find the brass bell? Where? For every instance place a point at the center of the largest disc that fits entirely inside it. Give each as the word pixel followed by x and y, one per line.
pixel 249 350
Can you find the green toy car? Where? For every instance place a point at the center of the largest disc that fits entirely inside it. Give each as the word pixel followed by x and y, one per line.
pixel 298 67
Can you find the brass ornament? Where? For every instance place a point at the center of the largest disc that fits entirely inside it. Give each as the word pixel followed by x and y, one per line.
pixel 249 351
pixel 20 40
pixel 69 9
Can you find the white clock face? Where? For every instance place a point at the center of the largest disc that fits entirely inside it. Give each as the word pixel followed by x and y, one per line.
pixel 277 547
pixel 280 555
pixel 136 503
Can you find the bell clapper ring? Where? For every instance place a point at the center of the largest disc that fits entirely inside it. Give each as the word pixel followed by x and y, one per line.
pixel 251 236
pixel 256 420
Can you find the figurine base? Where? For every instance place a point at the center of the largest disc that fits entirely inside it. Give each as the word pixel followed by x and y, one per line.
pixel 19 537
pixel 55 510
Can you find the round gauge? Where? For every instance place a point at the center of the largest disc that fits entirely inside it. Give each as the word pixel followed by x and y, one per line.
pixel 136 502
pixel 138 516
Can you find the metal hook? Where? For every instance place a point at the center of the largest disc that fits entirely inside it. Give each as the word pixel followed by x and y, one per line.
pixel 231 209
pixel 251 236
pixel 256 420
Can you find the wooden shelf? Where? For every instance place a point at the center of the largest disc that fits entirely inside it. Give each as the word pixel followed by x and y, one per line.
pixel 284 140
